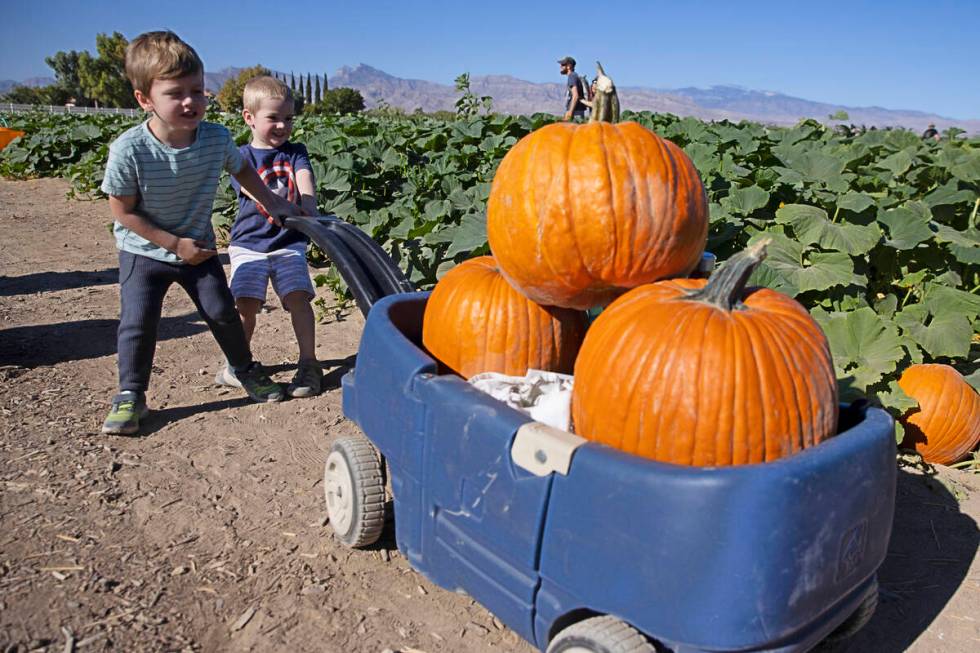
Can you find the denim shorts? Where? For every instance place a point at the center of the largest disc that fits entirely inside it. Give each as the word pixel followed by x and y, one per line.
pixel 251 272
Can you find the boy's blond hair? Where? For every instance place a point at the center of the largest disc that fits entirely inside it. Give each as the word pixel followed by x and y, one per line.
pixel 159 55
pixel 261 88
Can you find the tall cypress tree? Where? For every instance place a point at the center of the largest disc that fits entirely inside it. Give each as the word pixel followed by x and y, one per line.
pixel 316 90
pixel 292 82
pixel 324 84
pixel 309 89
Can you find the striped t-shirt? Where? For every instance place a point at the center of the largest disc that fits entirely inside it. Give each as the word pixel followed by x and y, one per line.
pixel 176 186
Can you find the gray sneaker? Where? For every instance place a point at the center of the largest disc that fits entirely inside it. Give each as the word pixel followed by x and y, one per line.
pixel 226 376
pixel 308 380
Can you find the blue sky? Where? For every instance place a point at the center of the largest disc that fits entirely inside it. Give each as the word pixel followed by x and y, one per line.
pixel 899 54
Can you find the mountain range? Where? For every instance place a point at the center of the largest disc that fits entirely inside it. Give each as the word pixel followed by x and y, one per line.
pixel 517 96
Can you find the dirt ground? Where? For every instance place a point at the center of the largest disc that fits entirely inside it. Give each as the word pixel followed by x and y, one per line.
pixel 208 533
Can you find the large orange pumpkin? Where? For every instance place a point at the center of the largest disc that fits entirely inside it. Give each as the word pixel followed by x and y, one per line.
pixel 946 425
pixel 578 214
pixel 476 322
pixel 717 374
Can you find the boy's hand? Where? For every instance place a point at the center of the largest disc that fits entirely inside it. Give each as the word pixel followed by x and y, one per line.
pixel 281 208
pixel 193 251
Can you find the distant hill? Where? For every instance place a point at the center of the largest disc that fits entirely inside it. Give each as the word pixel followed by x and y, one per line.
pixel 517 96
pixel 7 84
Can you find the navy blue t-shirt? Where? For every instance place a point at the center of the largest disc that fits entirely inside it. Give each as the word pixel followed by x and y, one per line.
pixel 277 168
pixel 574 81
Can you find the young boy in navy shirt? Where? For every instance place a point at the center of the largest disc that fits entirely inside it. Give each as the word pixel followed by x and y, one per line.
pixel 260 250
pixel 161 180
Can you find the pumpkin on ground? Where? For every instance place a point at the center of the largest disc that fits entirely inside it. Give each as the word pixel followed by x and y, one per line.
pixel 706 373
pixel 578 214
pixel 476 322
pixel 946 425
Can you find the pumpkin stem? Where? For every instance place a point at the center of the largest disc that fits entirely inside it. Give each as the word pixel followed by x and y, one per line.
pixel 605 104
pixel 726 286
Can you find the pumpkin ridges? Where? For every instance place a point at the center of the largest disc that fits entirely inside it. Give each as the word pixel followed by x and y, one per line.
pixel 946 417
pixel 803 390
pixel 770 387
pixel 800 396
pixel 702 395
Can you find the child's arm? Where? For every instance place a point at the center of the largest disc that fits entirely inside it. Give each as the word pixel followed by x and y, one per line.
pixel 307 191
pixel 123 208
pixel 274 205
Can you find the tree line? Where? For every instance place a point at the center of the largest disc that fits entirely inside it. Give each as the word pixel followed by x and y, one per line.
pixel 99 79
pixel 310 97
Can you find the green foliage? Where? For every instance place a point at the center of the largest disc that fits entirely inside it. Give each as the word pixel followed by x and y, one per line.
pixel 99 78
pixel 103 77
pixel 42 95
pixel 469 105
pixel 60 145
pixel 68 81
pixel 877 234
pixel 339 102
pixel 230 95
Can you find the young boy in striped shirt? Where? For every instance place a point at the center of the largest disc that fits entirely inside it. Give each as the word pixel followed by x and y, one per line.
pixel 161 180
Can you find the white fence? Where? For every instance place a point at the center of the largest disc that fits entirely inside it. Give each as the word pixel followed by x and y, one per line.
pixel 8 107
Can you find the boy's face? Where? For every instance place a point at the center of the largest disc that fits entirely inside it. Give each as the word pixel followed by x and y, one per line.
pixel 178 103
pixel 272 122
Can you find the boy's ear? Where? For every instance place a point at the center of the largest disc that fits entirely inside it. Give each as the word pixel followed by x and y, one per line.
pixel 247 116
pixel 143 100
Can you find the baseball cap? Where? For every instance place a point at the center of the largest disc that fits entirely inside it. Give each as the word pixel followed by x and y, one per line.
pixel 567 60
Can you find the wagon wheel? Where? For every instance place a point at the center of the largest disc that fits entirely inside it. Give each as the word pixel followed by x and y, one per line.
pixel 605 634
pixel 850 626
pixel 353 483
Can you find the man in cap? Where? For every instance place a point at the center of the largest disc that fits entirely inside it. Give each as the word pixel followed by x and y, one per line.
pixel 574 108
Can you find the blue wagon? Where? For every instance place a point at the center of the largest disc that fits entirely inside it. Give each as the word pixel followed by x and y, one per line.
pixel 578 547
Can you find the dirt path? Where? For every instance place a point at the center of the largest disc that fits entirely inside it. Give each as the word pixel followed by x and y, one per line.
pixel 207 533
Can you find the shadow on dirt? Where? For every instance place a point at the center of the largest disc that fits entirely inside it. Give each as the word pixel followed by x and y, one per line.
pixel 334 370
pixel 49 344
pixel 158 419
pixel 55 281
pixel 930 552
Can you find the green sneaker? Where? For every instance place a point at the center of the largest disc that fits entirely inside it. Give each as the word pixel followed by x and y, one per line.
pixel 258 385
pixel 128 408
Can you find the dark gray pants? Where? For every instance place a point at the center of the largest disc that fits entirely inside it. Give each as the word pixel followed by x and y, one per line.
pixel 143 283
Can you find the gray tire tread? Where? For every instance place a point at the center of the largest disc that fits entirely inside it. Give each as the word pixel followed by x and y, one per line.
pixel 365 467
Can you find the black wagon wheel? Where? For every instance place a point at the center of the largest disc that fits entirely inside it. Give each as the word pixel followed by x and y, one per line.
pixel 605 634
pixel 848 628
pixel 354 486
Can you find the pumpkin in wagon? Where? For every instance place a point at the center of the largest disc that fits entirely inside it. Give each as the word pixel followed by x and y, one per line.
pixel 476 322
pixel 706 373
pixel 578 214
pixel 946 425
